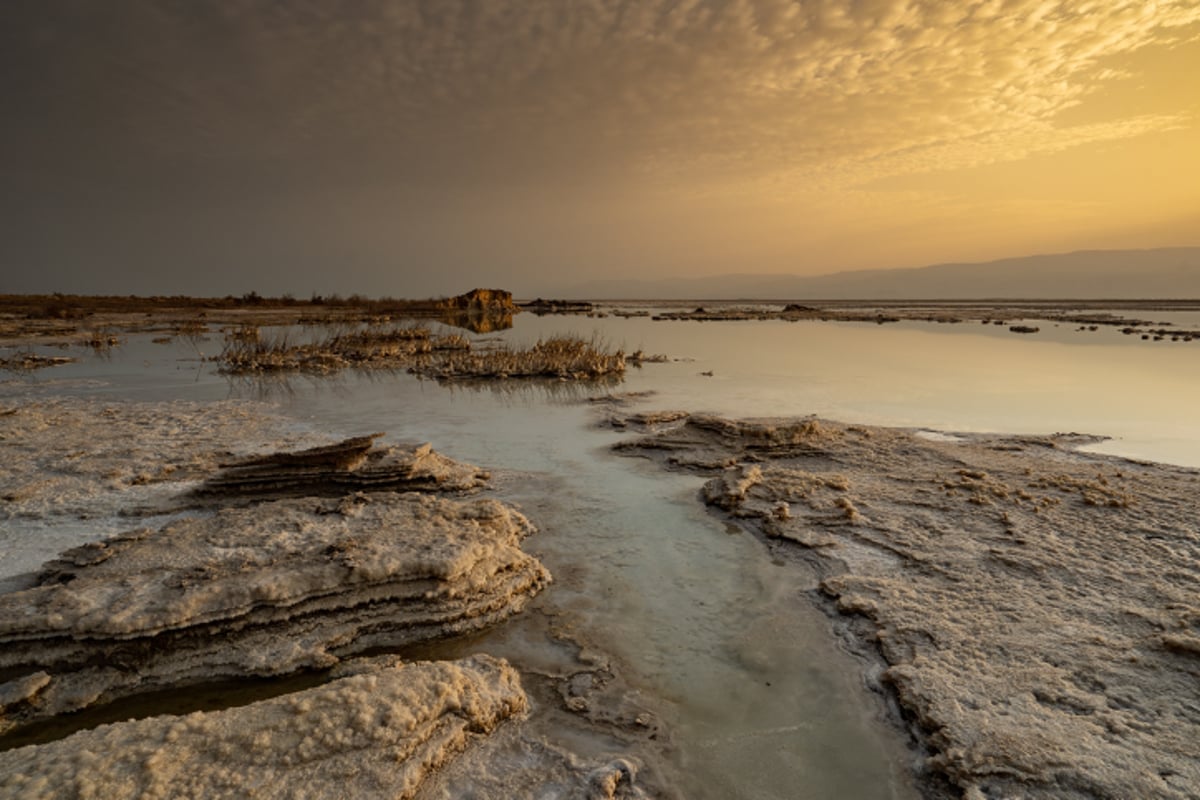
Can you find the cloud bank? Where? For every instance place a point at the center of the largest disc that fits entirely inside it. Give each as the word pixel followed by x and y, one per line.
pixel 431 134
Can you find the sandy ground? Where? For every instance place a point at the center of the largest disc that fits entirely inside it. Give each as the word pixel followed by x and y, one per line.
pixel 1031 611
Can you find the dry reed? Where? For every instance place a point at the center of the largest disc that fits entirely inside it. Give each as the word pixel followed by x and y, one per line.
pixel 421 352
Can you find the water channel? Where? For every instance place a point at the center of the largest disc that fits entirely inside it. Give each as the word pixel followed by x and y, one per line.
pixel 717 640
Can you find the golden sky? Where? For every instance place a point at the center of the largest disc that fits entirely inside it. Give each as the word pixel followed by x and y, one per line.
pixel 424 147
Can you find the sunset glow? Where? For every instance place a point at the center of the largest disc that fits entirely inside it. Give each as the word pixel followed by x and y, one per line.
pixel 422 148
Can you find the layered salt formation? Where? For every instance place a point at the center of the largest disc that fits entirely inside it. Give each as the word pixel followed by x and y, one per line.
pixel 89 459
pixel 352 464
pixel 286 562
pixel 376 730
pixel 263 590
pixel 1034 608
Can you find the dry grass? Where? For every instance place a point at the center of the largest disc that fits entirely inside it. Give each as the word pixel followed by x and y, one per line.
pixel 563 357
pixel 421 352
pixel 27 361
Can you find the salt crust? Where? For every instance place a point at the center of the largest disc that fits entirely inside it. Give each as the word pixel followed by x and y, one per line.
pixel 92 458
pixel 375 731
pixel 239 609
pixel 262 590
pixel 1033 609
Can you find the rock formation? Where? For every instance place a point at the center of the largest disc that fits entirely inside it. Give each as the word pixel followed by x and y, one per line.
pixel 85 458
pixel 349 465
pixel 1031 608
pixel 276 587
pixel 479 310
pixel 375 730
pixel 269 565
pixel 481 300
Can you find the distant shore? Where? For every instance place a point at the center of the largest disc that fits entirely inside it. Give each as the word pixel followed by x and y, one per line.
pixel 59 319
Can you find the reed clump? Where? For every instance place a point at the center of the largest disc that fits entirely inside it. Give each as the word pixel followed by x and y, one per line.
pixel 25 362
pixel 421 352
pixel 100 340
pixel 247 351
pixel 563 357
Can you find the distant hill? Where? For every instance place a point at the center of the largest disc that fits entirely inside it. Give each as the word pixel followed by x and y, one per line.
pixel 1170 272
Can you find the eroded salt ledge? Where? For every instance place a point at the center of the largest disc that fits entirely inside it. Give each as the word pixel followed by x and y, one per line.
pixel 293 561
pixel 1033 609
pixel 376 730
pixel 93 458
pixel 264 590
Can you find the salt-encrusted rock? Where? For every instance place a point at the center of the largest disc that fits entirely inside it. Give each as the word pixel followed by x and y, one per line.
pixel 91 459
pixel 268 589
pixel 728 490
pixel 519 762
pixel 1034 607
pixel 376 730
pixel 352 464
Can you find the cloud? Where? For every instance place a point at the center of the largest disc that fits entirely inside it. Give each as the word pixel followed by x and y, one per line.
pixel 666 87
pixel 414 104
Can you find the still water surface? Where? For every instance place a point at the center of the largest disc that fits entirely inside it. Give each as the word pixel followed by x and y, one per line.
pixel 964 377
pixel 717 638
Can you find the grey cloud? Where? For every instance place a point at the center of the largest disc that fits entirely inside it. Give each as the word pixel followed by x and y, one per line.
pixel 326 102
pixel 444 82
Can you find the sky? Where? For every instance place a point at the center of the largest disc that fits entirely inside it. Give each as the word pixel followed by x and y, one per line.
pixel 423 148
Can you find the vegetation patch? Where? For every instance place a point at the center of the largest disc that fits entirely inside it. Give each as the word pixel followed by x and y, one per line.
pixel 420 351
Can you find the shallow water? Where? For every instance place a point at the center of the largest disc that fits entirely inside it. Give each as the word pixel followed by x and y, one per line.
pixel 717 639
pixel 963 377
pixel 702 623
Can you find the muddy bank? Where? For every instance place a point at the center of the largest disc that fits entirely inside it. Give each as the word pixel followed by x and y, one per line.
pixel 1030 608
pixel 26 362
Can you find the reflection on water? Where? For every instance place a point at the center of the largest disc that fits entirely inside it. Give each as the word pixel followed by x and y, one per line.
pixel 965 377
pixel 717 639
pixel 477 321
pixel 557 390
pixel 283 386
pixel 759 701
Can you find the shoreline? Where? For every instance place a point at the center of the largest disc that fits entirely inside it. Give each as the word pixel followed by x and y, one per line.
pixel 932 566
pixel 97 322
pixel 815 543
pixel 289 566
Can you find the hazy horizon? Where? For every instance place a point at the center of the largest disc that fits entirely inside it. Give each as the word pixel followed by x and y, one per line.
pixel 421 149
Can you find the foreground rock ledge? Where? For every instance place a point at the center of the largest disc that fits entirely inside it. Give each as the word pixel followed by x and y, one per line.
pixel 349 465
pixel 375 731
pixel 1035 608
pixel 266 590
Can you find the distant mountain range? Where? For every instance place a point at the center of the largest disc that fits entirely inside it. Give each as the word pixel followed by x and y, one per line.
pixel 1164 273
